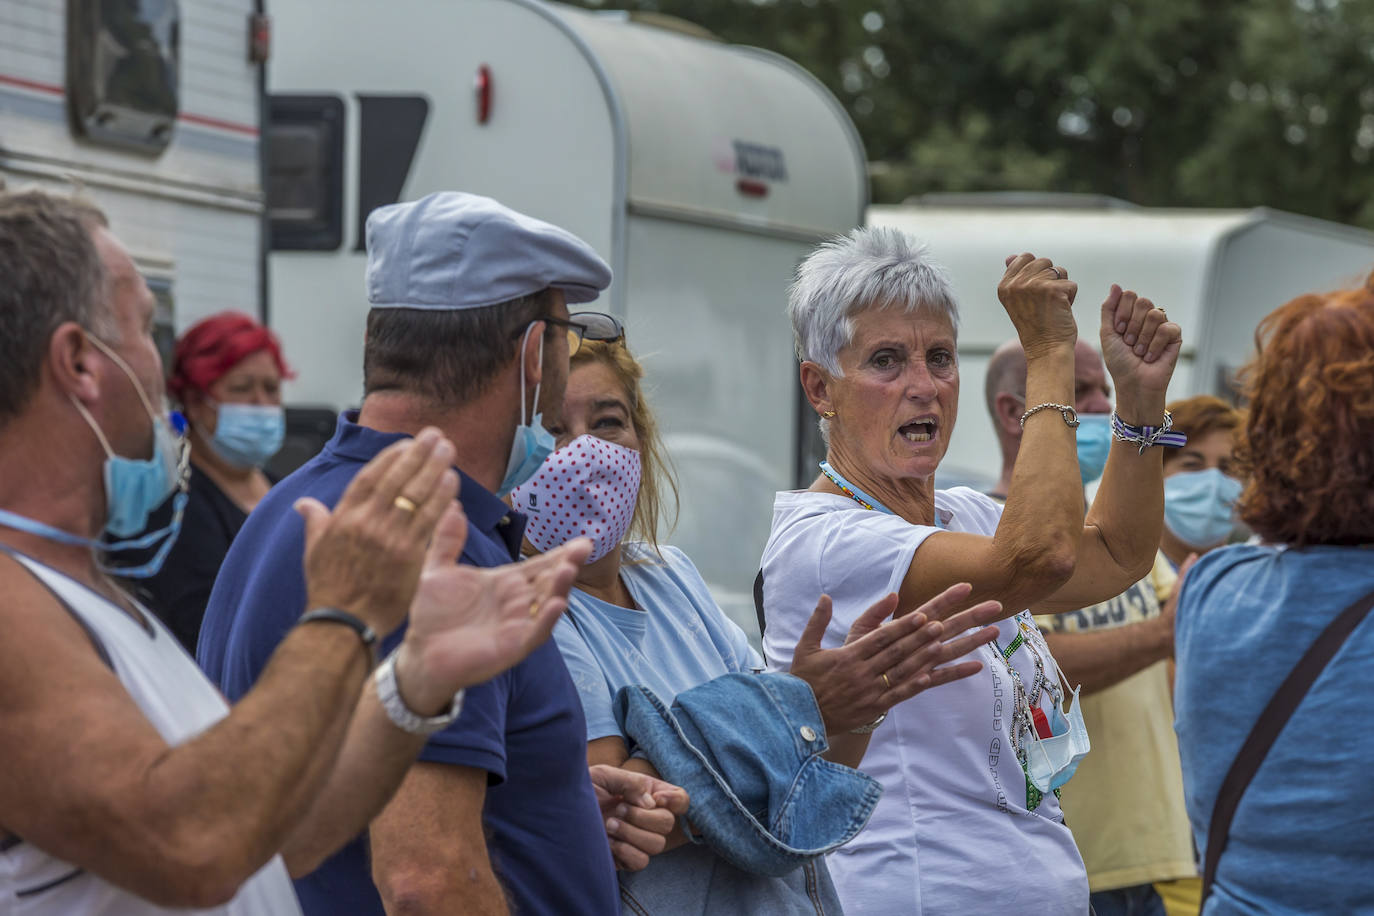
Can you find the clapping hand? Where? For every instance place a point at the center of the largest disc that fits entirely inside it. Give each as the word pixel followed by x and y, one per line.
pixel 468 624
pixel 884 662
pixel 1140 346
pixel 365 556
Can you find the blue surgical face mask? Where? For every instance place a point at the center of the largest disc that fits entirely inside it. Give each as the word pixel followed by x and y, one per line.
pixel 1198 506
pixel 1051 762
pixel 134 487
pixel 533 443
pixel 246 435
pixel 1094 439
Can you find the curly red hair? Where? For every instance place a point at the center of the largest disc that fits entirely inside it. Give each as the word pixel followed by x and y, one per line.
pixel 1308 443
pixel 213 346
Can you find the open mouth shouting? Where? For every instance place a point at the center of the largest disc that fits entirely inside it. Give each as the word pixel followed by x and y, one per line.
pixel 921 429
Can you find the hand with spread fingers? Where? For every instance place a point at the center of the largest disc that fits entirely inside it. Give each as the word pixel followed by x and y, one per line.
pixel 639 810
pixel 1140 346
pixel 1038 298
pixel 468 624
pixel 365 556
pixel 885 661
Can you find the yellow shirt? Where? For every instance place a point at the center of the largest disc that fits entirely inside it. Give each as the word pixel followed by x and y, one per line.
pixel 1125 802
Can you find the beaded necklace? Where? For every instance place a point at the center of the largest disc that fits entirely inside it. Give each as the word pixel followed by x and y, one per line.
pixel 853 492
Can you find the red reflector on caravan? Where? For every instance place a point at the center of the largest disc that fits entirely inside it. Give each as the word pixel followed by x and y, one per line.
pixel 751 188
pixel 259 38
pixel 481 88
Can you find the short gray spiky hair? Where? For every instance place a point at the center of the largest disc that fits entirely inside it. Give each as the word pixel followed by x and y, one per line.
pixel 872 266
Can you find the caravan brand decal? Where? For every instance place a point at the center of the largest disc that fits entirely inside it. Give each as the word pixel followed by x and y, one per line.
pixel 757 161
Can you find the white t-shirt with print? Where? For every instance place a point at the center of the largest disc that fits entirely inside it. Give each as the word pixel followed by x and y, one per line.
pixel 952 834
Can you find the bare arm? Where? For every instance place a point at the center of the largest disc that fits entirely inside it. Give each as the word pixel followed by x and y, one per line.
pixel 179 826
pixel 429 850
pixel 185 825
pixel 466 626
pixel 1034 549
pixel 1114 547
pixel 1099 659
pixel 1122 530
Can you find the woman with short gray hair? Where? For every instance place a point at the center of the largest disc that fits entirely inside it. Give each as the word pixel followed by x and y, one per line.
pixel 969 820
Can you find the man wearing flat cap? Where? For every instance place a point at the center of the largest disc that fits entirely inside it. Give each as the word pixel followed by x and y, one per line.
pixel 468 333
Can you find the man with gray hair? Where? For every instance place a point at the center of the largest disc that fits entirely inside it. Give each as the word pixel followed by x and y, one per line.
pixel 469 331
pixel 1125 802
pixel 129 786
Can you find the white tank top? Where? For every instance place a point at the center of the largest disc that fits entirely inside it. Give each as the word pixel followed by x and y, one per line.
pixel 180 702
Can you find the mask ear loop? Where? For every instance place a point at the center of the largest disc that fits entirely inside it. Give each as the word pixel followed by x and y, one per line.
pixel 90 421
pixel 534 410
pixel 119 361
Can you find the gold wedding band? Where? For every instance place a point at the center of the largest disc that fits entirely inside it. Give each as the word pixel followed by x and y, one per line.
pixel 887 685
pixel 405 504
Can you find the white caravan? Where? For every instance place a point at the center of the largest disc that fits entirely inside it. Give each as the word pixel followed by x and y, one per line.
pixel 1216 272
pixel 702 172
pixel 153 109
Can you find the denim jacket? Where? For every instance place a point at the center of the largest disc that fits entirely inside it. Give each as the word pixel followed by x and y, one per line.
pixel 747 748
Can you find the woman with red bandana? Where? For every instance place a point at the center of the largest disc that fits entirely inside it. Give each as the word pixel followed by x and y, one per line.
pixel 226 374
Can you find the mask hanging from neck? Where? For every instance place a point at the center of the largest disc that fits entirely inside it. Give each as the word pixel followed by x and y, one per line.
pixel 134 487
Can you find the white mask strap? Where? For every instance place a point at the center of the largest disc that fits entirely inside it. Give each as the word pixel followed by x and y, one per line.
pixel 523 341
pixel 119 361
pixel 90 421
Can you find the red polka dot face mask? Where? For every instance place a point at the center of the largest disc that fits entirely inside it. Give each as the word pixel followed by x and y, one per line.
pixel 587 488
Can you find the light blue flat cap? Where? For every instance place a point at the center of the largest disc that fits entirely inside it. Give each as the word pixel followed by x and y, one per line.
pixel 452 250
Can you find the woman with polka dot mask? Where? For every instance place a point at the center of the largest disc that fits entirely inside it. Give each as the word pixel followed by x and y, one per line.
pixel 640 614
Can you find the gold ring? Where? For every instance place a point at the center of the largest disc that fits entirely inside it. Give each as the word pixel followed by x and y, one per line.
pixel 887 685
pixel 534 607
pixel 405 504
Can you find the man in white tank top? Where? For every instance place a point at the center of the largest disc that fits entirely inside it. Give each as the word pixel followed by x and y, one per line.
pixel 129 786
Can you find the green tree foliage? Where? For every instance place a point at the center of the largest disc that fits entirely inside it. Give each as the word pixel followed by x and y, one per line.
pixel 1161 102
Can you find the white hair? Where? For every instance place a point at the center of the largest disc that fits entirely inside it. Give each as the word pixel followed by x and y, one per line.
pixel 871 267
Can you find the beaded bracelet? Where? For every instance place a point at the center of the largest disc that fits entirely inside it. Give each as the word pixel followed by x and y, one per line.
pixel 1068 413
pixel 1146 436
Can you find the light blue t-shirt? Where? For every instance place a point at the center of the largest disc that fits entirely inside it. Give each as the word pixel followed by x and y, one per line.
pixel 676 639
pixel 1302 840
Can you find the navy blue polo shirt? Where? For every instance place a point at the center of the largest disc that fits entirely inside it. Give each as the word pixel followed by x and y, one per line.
pixel 524 727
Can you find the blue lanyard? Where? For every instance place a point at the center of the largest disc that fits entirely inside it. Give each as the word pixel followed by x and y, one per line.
pixel 859 496
pixel 853 492
pixel 167 535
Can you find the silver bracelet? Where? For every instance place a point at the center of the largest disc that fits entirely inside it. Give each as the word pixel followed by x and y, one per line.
pixel 400 714
pixel 867 729
pixel 1068 413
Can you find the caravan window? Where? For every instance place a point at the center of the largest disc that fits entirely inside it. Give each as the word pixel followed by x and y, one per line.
pixel 164 316
pixel 305 172
pixel 123 70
